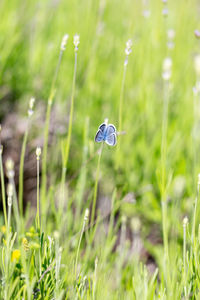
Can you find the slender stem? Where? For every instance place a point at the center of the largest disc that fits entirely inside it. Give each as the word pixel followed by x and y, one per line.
pixel 21 170
pixel 96 185
pixel 67 146
pixel 15 206
pixel 195 213
pixel 95 279
pixel 184 254
pixel 163 177
pixel 121 101
pixel 9 217
pixel 38 195
pixel 46 130
pixel 80 239
pixel 3 187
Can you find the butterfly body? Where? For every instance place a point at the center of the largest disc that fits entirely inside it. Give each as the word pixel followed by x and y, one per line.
pixel 106 133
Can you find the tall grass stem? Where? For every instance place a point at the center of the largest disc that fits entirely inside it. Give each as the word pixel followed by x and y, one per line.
pixel 96 184
pixel 3 193
pixel 68 141
pixel 46 131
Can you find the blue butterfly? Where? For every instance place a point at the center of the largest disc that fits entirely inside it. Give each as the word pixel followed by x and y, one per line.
pixel 106 133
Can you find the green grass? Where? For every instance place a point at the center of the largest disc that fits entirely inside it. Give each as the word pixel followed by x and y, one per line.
pixel 138 249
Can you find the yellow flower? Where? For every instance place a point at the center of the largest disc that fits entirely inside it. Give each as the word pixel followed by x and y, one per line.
pixel 3 229
pixel 16 255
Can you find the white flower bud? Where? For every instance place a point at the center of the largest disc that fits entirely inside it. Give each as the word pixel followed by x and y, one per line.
pixel 197 33
pixel 87 212
pixel 171 34
pixel 38 152
pixel 76 41
pixel 197 64
pixel 128 48
pixel 185 221
pixel 31 106
pixel 10 190
pixel 167 66
pixel 10 168
pixel 64 42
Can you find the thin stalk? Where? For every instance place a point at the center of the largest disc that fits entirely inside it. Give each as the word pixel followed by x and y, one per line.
pixel 38 195
pixel 57 267
pixel 9 215
pixel 80 239
pixel 163 177
pixel 184 253
pixel 15 205
pixel 95 279
pixel 68 142
pixel 21 170
pixel 96 184
pixel 195 211
pixel 22 157
pixel 3 193
pixel 121 101
pixel 46 130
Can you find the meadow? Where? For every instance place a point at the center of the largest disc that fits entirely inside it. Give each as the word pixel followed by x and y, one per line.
pixel 87 220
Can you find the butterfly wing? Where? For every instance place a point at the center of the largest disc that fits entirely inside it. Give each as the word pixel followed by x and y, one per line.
pixel 110 129
pixel 100 133
pixel 102 127
pixel 99 136
pixel 111 139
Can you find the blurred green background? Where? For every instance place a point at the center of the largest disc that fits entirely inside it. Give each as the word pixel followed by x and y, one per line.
pixel 30 37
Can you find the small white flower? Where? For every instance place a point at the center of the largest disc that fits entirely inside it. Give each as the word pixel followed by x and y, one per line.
pixel 38 152
pixel 31 102
pixel 197 33
pixel 198 179
pixel 87 212
pixel 167 66
pixel 31 106
pixel 146 13
pixel 165 12
pixel 171 34
pixel 10 190
pixel 64 42
pixel 185 221
pixel 197 64
pixel 76 41
pixel 128 48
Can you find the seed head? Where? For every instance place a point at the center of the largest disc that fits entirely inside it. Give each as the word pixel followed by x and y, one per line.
pixel 167 66
pixel 146 13
pixel 198 182
pixel 10 168
pixel 185 221
pixel 10 194
pixel 171 34
pixel 38 152
pixel 64 42
pixel 165 12
pixel 76 41
pixel 25 244
pixel 197 64
pixel 87 212
pixel 10 190
pixel 197 34
pixel 31 106
pixel 196 88
pixel 128 48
